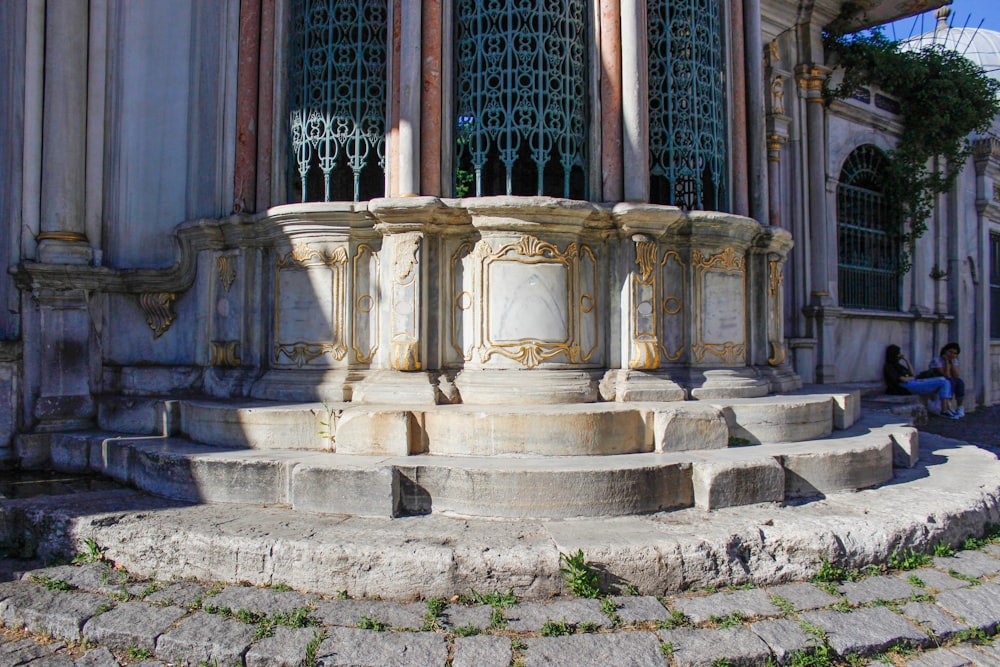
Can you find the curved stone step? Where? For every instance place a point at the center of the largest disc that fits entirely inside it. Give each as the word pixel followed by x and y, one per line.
pixel 547 487
pixel 582 429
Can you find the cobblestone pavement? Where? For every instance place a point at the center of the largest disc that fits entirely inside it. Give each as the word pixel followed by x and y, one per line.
pixel 942 611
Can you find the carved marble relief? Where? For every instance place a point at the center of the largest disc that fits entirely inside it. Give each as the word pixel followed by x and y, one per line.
pixel 775 281
pixel 366 316
pixel 404 344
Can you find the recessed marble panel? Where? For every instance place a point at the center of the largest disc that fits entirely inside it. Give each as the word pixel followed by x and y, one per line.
pixel 305 305
pixel 722 310
pixel 528 301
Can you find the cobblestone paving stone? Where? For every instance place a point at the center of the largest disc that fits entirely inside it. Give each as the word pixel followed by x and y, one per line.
pixel 947 621
pixel 95 615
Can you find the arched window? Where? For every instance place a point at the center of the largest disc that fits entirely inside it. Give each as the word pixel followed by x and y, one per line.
pixel 687 104
pixel 521 112
pixel 337 99
pixel 868 251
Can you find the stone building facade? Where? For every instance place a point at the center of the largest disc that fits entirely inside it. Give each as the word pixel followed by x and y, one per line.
pixel 434 202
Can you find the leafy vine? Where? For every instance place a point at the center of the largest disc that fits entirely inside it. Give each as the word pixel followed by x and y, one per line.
pixel 943 97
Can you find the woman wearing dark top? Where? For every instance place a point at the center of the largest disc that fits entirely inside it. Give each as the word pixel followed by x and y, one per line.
pixel 900 379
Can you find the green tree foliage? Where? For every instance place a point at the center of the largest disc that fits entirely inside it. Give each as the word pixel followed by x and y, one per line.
pixel 943 97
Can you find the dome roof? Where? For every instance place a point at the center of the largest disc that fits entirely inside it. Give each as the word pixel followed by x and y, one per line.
pixel 977 44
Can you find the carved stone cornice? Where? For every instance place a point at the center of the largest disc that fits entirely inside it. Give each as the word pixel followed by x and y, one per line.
pixel 189 239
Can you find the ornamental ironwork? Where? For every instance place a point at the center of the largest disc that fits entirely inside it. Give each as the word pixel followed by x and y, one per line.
pixel 868 253
pixel 521 113
pixel 687 105
pixel 337 86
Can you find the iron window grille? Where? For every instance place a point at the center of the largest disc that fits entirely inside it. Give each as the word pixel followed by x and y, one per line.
pixel 868 252
pixel 687 105
pixel 521 97
pixel 337 89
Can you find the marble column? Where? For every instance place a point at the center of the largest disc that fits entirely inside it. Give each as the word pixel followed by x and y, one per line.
pixel 822 310
pixel 635 110
pixel 612 174
pixel 247 78
pixel 811 79
pixel 741 194
pixel 410 77
pixel 757 161
pixel 63 239
pixel 432 115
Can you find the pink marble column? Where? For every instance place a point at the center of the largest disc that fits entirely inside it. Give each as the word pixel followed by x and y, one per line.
pixel 245 167
pixel 430 108
pixel 741 191
pixel 612 174
pixel 265 106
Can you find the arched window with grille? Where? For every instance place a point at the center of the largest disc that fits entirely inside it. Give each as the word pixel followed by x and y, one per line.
pixel 521 97
pixel 687 104
pixel 868 251
pixel 337 91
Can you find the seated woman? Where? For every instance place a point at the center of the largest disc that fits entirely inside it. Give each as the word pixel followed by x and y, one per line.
pixel 900 379
pixel 947 365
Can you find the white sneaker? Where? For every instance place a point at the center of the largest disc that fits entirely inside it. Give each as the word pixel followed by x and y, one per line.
pixel 960 412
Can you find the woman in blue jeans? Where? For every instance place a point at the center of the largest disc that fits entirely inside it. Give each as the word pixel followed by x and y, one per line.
pixel 900 379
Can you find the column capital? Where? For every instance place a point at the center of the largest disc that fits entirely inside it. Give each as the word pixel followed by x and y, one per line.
pixel 811 78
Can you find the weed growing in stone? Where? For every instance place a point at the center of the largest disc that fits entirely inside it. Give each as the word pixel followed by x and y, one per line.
pixel 139 654
pixel 368 623
pixel 677 619
pixel 580 574
pixel 281 586
pixel 908 559
pixel 666 649
pixel 964 577
pixel 312 648
pixel 720 662
pixel 552 628
pixel 495 599
pixel 51 583
pixel 518 645
pixel 785 606
pixel 432 617
pixel 732 620
pixel 610 609
pixel 465 631
pixel 828 573
pixel 914 580
pixel 91 553
pixel 497 619
pixel 587 626
pixel 943 550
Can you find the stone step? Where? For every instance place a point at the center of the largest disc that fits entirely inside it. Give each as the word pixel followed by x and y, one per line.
pixel 583 429
pixel 526 486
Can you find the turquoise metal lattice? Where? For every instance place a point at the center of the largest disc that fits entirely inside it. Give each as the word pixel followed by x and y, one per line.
pixel 687 129
pixel 337 89
pixel 521 122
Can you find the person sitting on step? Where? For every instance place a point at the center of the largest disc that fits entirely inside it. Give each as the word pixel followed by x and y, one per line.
pixel 900 379
pixel 946 364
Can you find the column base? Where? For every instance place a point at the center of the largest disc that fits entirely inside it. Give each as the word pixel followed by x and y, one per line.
pixel 519 387
pixel 632 385
pixel 396 388
pixel 712 383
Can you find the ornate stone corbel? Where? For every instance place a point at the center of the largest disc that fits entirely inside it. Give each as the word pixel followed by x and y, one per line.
pixel 159 310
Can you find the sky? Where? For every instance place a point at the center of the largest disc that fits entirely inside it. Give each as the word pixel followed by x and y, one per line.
pixel 964 13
